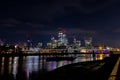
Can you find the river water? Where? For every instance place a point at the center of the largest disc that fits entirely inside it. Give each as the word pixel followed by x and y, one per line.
pixel 27 67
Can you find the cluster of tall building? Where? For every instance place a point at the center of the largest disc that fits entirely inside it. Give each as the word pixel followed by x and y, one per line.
pixel 59 42
pixel 62 41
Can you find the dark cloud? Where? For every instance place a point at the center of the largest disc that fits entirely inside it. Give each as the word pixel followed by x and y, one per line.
pixel 116 30
pixel 58 8
pixel 9 21
pixel 44 18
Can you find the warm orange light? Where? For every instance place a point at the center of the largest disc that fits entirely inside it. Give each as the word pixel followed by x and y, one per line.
pixel 100 47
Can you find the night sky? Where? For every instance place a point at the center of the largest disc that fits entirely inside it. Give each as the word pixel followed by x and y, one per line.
pixel 99 19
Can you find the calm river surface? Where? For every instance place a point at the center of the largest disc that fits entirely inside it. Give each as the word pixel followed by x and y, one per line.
pixel 27 67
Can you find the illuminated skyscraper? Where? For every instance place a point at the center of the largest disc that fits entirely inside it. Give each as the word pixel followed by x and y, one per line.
pixel 62 40
pixel 88 41
pixel 29 40
pixel 39 45
pixel 29 44
pixel 76 42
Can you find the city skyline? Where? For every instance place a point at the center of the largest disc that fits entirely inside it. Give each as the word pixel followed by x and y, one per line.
pixel 43 19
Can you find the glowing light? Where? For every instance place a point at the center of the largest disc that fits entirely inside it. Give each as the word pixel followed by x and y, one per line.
pixel 83 51
pixel 100 47
pixel 118 49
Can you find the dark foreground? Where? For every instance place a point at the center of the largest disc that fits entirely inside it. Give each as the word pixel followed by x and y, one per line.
pixel 96 70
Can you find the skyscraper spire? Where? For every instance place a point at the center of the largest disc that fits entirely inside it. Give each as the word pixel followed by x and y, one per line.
pixel 29 40
pixel 74 40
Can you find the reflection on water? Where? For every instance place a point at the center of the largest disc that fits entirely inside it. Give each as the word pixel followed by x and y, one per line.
pixel 22 68
pixel 15 65
pixel 53 64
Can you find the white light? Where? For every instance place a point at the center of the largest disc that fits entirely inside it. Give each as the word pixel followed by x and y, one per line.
pixel 15 46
